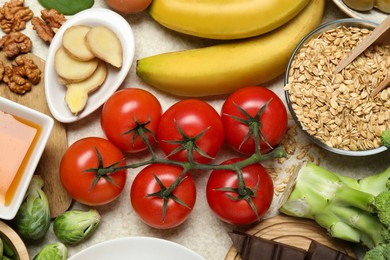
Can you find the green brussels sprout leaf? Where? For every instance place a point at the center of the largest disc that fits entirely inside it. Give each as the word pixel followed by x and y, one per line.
pixel 32 220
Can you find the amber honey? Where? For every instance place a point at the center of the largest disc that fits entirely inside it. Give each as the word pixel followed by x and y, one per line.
pixel 26 157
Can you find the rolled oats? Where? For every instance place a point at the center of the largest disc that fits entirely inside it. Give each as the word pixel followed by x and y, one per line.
pixel 338 109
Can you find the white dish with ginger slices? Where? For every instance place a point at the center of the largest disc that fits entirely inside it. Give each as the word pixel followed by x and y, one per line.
pixel 55 90
pixel 373 15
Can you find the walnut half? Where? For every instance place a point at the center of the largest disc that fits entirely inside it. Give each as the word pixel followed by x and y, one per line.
pixel 46 26
pixel 15 43
pixel 14 15
pixel 22 76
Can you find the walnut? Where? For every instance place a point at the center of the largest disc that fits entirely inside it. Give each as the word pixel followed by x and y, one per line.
pixel 15 43
pixel 43 30
pixel 48 25
pixel 22 76
pixel 53 18
pixel 30 69
pixel 1 70
pixel 14 15
pixel 15 82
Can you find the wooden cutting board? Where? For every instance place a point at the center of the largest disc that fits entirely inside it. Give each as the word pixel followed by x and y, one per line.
pixel 48 167
pixel 6 232
pixel 295 232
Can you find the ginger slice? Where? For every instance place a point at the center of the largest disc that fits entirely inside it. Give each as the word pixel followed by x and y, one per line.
pixel 77 93
pixel 105 45
pixel 73 40
pixel 72 70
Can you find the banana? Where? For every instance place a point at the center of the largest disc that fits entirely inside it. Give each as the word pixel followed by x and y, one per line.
pixel 383 5
pixel 224 68
pixel 228 19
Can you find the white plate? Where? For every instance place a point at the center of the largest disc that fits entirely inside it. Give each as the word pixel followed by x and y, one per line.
pixel 46 123
pixel 145 248
pixel 55 92
pixel 373 15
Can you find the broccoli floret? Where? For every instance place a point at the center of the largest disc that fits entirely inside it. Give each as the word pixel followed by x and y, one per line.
pixel 350 209
pixel 381 206
pixel 385 138
pixel 378 253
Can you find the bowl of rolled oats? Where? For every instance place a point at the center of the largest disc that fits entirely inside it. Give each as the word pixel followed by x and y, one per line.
pixel 336 110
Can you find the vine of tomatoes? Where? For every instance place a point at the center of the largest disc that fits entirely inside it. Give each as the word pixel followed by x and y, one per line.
pixel 190 134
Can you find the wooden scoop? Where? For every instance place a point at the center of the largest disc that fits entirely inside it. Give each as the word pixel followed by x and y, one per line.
pixel 380 35
pixel 382 85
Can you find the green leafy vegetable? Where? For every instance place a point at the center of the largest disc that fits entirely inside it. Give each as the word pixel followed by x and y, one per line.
pixel 33 217
pixel 74 226
pixel 53 251
pixel 67 7
pixel 350 209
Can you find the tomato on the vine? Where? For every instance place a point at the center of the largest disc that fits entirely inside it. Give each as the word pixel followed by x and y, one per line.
pixel 233 206
pixel 246 104
pixel 187 123
pixel 124 111
pixel 80 176
pixel 147 196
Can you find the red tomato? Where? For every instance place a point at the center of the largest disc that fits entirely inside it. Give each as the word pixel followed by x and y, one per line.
pixel 193 116
pixel 119 114
pixel 78 181
pixel 273 119
pixel 150 208
pixel 239 212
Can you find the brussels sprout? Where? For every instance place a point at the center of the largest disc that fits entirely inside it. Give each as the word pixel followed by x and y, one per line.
pixel 6 250
pixel 53 251
pixel 1 248
pixel 75 225
pixel 33 217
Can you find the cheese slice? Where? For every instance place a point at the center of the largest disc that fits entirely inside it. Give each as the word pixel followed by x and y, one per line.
pixel 15 140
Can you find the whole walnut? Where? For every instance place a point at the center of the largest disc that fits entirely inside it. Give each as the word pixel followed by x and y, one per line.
pixel 14 15
pixel 15 43
pixel 16 83
pixel 46 26
pixel 21 76
pixel 28 69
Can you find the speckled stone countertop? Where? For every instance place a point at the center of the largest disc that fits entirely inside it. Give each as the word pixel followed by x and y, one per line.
pixel 202 232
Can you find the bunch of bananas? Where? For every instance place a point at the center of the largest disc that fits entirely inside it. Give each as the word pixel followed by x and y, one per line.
pixel 265 34
pixel 367 5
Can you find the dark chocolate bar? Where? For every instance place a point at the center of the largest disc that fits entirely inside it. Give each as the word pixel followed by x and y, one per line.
pixel 318 251
pixel 255 248
pixel 252 247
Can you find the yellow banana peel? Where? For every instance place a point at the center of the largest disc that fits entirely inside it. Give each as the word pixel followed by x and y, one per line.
pixel 229 19
pixel 224 68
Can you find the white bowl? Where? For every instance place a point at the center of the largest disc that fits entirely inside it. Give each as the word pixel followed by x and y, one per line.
pixel 46 124
pixel 314 34
pixel 137 248
pixel 55 92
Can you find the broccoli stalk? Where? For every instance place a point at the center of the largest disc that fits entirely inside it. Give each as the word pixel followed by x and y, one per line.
pixel 385 138
pixel 356 210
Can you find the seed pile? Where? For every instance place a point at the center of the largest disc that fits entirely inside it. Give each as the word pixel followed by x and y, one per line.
pixel 338 109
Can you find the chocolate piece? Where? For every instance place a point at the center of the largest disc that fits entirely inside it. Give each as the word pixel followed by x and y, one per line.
pixel 318 251
pixel 252 247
